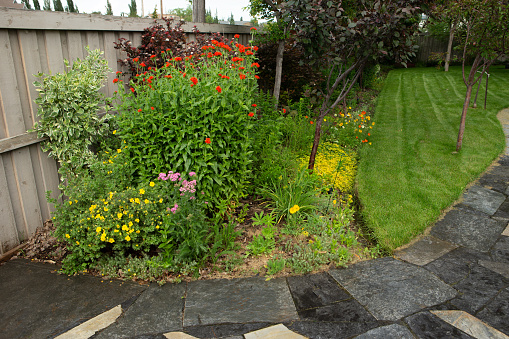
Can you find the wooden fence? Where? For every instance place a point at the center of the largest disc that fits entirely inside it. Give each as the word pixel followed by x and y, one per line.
pixel 430 44
pixel 39 41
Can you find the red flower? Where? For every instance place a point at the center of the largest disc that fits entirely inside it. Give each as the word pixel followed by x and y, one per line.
pixel 136 59
pixel 132 89
pixel 207 140
pixel 365 140
pixel 219 89
pixel 242 76
pixel 254 105
pixel 143 64
pixel 237 36
pixel 152 108
pixel 253 29
pixel 178 59
pixel 152 56
pixel 167 64
pixel 251 114
pixel 194 80
pixel 241 68
pixel 311 122
pixel 149 68
pixel 115 80
pixel 306 117
pixel 217 53
pixel 255 48
pixel 118 72
pixel 284 110
pixel 257 77
pixel 255 64
pixel 168 76
pixel 139 110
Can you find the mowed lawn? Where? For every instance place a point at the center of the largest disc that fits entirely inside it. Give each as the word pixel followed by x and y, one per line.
pixel 409 174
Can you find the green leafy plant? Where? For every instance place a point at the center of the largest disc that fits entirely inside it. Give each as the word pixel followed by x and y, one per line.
pixel 194 116
pixel 67 106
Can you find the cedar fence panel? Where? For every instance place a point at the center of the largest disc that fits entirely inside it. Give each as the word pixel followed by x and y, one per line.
pixel 39 41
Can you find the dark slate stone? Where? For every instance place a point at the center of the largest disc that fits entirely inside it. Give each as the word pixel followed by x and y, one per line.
pixel 224 330
pixel 483 199
pixel 36 302
pixel 145 336
pixel 501 268
pixel 468 229
pixel 391 289
pixel 479 287
pixel 424 251
pixel 388 331
pixel 348 310
pixel 324 330
pixel 428 326
pixel 157 310
pixel 496 313
pixel 500 252
pixel 315 290
pixel 504 160
pixel 238 301
pixel 497 177
pixel 455 265
pixel 503 211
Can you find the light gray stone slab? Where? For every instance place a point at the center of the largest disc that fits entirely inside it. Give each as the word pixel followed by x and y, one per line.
pixel 468 229
pixel 425 250
pixel 391 289
pixel 178 335
pixel 157 310
pixel 279 331
pixel 470 324
pixel 483 199
pixel 506 231
pixel 90 327
pixel 389 331
pixel 238 301
pixel 498 267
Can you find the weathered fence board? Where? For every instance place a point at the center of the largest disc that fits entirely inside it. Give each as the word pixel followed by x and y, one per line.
pixel 39 41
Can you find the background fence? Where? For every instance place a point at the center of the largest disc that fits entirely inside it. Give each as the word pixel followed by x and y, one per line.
pixel 39 41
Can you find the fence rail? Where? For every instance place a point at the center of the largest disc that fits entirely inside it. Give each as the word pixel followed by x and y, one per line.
pixel 39 41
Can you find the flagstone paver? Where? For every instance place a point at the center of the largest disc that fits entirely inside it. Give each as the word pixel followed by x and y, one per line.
pixel 500 251
pixel 469 229
pixel 335 330
pixel 391 289
pixel 279 331
pixel 389 331
pixel 483 199
pixel 238 301
pixel 425 250
pixel 499 267
pixel 428 326
pixel 178 335
pixel 496 312
pixel 469 324
pixel 347 310
pixel 157 310
pixel 90 327
pixel 224 330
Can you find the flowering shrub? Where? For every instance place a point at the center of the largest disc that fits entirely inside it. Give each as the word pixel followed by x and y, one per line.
pixel 193 116
pixel 135 219
pixel 335 165
pixel 349 128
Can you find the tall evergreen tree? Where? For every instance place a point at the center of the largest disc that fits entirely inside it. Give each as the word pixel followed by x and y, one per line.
pixel 109 11
pixel 231 19
pixel 133 11
pixel 57 6
pixel 37 6
pixel 71 7
pixel 47 5
pixel 26 3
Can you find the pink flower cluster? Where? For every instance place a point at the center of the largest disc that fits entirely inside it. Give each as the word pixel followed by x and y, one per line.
pixel 188 186
pixel 173 209
pixel 172 176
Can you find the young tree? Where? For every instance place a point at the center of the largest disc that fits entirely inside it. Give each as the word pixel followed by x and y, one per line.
pixel 184 14
pixel 133 11
pixel 154 14
pixel 57 5
pixel 109 11
pixel 37 6
pixel 343 36
pixel 71 8
pixel 47 5
pixel 485 37
pixel 231 19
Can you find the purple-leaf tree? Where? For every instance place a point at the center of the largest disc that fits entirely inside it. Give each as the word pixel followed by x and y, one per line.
pixel 343 36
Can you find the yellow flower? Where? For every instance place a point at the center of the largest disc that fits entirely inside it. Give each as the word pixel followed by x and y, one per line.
pixel 147 201
pixel 161 200
pixel 77 242
pixel 137 200
pixel 67 236
pixel 142 191
pixel 70 202
pixel 98 229
pixel 334 201
pixel 119 215
pixel 119 150
pixel 157 226
pixel 115 131
pixel 152 184
pixel 138 231
pixel 294 209
pixel 128 238
pixel 137 220
pixel 103 237
pixel 111 240
pixel 106 209
pixel 305 233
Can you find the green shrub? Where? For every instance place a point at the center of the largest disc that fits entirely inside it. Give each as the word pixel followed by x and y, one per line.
pixel 67 106
pixel 193 117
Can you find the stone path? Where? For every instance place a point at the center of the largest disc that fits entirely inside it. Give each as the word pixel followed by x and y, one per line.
pixel 451 283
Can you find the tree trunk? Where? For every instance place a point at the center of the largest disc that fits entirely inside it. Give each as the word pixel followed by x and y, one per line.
pixel 198 10
pixel 486 91
pixel 449 47
pixel 463 116
pixel 316 142
pixel 478 87
pixel 279 70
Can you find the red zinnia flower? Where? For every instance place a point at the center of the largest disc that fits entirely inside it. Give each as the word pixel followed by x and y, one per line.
pixel 255 64
pixel 284 110
pixel 194 80
pixel 311 122
pixel 118 72
pixel 217 53
pixel 255 48
pixel 143 64
pixel 242 76
pixel 257 77
pixel 237 36
pixel 139 110
pixel 132 89
pixel 218 88
pixel 253 29
pixel 251 114
pixel 115 80
pixel 152 56
pixel 254 105
pixel 207 140
pixel 152 108
pixel 136 59
pixel 178 59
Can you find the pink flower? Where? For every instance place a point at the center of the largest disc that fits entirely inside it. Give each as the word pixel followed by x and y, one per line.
pixel 191 174
pixel 174 208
